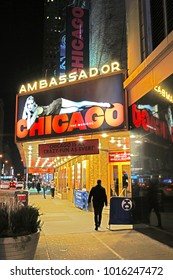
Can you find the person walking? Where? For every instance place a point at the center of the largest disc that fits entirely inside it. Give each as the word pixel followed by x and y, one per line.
pixel 99 199
pixel 125 182
pixel 38 187
pixel 44 187
pixel 52 188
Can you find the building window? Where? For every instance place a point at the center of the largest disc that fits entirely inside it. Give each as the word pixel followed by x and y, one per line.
pixel 156 22
pixel 169 9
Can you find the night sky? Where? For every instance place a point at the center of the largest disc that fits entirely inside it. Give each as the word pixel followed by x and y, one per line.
pixel 21 55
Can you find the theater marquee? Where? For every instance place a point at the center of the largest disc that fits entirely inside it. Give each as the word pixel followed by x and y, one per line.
pixel 72 148
pixel 90 106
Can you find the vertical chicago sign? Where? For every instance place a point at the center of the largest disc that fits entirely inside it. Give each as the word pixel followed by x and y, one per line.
pixel 77 39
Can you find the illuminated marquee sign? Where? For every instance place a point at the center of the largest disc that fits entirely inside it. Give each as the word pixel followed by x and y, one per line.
pixel 164 93
pixel 119 156
pixel 71 148
pixel 143 118
pixel 39 170
pixel 71 77
pixel 85 107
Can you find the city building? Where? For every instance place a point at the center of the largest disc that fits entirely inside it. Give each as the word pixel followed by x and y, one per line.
pixel 54 20
pixel 130 43
pixel 150 97
pixel 102 50
pixel 1 130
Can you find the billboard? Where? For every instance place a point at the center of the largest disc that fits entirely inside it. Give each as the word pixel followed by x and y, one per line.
pixel 119 156
pixel 77 39
pixel 152 115
pixel 151 126
pixel 89 106
pixel 72 148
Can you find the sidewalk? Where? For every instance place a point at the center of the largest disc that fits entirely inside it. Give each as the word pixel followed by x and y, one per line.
pixel 68 234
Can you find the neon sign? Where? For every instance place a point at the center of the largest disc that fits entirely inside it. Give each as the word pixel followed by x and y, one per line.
pixel 94 105
pixel 93 119
pixel 164 93
pixel 77 52
pixel 143 119
pixel 71 77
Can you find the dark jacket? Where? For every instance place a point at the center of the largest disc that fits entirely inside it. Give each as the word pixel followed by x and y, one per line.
pixel 98 194
pixel 125 181
pixel 153 191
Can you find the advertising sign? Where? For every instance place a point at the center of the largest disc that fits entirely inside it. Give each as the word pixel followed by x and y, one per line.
pixel 153 114
pixel 151 125
pixel 119 156
pixel 72 148
pixel 88 106
pixel 81 199
pixel 120 210
pixel 77 39
pixel 38 170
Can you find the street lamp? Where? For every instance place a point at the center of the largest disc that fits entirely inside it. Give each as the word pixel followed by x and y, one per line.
pixel 4 169
pixel 11 171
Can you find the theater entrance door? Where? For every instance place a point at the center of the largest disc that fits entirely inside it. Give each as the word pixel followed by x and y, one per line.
pixel 116 179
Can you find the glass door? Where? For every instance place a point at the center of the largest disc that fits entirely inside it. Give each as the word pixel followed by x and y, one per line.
pixel 120 179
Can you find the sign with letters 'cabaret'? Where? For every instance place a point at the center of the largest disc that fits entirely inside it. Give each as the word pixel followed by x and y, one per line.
pixel 89 106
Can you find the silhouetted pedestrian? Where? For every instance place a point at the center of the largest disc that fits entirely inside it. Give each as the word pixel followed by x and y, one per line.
pixel 38 187
pixel 125 182
pixel 153 200
pixel 52 188
pixel 99 199
pixel 44 187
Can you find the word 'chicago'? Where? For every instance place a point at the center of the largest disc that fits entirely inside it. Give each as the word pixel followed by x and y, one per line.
pixel 93 119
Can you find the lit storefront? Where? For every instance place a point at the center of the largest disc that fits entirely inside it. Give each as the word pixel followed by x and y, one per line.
pixel 150 94
pixel 77 126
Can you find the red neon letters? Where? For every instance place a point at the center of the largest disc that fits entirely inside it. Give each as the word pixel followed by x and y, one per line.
pixel 94 118
pixel 77 39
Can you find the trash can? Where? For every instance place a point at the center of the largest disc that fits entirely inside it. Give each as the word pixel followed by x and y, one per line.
pixel 120 211
pixel 21 196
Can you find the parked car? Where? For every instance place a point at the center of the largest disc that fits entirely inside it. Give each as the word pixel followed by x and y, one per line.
pixel 4 184
pixel 19 185
pixel 12 185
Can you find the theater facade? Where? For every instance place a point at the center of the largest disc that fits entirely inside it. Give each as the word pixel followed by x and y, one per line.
pixel 75 128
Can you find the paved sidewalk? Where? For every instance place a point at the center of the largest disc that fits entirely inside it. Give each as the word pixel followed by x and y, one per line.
pixel 68 234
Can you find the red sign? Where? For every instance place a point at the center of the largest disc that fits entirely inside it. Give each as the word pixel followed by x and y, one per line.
pixel 41 170
pixel 77 39
pixel 72 148
pixel 119 156
pixel 86 110
pixel 142 118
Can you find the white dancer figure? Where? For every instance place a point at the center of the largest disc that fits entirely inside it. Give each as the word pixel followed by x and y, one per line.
pixel 153 109
pixel 169 119
pixel 57 107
